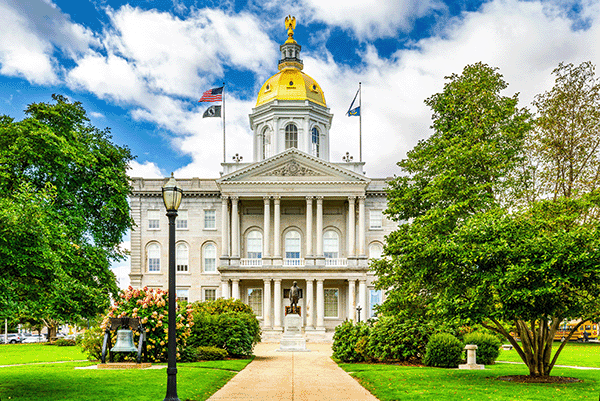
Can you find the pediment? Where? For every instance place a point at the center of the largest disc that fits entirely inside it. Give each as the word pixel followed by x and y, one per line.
pixel 293 166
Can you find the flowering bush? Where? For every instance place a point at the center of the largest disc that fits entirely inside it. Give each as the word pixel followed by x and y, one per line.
pixel 151 306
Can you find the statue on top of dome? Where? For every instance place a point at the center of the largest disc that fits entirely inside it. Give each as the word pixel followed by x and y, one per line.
pixel 290 25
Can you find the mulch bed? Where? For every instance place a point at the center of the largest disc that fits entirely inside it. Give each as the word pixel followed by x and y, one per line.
pixel 539 379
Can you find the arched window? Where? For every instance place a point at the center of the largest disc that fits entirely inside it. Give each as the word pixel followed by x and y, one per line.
pixel 315 142
pixel 291 136
pixel 331 245
pixel 292 245
pixel 153 257
pixel 183 257
pixel 209 258
pixel 266 145
pixel 254 244
pixel 375 250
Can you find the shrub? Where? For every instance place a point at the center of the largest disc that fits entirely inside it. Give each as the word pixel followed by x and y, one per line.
pixel 210 354
pixel 91 343
pixel 220 306
pixel 63 342
pixel 394 338
pixel 443 351
pixel 152 307
pixel 488 346
pixel 349 341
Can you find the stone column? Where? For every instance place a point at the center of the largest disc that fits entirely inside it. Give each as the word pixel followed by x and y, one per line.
pixel 309 221
pixel 235 288
pixel 276 227
pixel 320 305
pixel 267 304
pixel 267 227
pixel 310 313
pixel 362 298
pixel 352 299
pixel 225 289
pixel 225 226
pixel 351 227
pixel 319 226
pixel 361 226
pixel 277 304
pixel 235 228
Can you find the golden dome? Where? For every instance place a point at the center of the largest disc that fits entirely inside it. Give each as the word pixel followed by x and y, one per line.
pixel 290 84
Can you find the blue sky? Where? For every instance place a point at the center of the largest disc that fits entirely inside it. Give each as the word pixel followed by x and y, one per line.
pixel 139 67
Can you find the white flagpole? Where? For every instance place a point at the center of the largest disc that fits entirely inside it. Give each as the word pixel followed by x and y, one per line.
pixel 223 121
pixel 360 121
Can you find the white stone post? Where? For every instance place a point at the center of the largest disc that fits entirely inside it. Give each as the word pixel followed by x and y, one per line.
pixel 352 299
pixel 276 227
pixel 235 228
pixel 235 288
pixel 362 297
pixel 267 227
pixel 225 289
pixel 277 298
pixel 309 221
pixel 225 226
pixel 471 359
pixel 319 226
pixel 361 226
pixel 351 226
pixel 320 305
pixel 310 320
pixel 267 304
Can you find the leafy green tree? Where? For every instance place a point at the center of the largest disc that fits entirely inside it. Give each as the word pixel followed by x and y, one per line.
pixel 63 213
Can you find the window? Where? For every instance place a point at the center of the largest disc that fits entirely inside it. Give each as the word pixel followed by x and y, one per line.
pixel 375 250
pixel 182 294
pixel 315 142
pixel 210 294
pixel 255 300
pixel 375 299
pixel 291 136
pixel 376 217
pixel 209 258
pixel 292 245
pixel 331 302
pixel 181 223
pixel 153 256
pixel 210 220
pixel 266 143
pixel 331 245
pixel 182 257
pixel 153 219
pixel 254 245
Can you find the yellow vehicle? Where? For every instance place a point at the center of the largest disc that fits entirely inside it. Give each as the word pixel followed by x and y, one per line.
pixel 587 329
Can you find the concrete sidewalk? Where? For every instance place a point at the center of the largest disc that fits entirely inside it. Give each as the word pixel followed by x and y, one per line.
pixel 292 376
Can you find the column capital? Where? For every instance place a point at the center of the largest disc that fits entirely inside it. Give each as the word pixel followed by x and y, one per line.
pixel 277 280
pixel 225 197
pixel 267 198
pixel 235 280
pixel 234 198
pixel 352 198
pixel 361 197
pixel 267 280
pixel 309 198
pixel 277 197
pixel 320 280
pixel 319 198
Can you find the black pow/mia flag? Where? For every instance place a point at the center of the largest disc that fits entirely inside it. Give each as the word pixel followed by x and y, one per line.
pixel 212 111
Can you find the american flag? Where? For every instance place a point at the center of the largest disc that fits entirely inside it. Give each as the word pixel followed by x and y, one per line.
pixel 212 95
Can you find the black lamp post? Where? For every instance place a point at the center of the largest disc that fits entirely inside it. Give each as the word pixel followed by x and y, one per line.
pixel 172 195
pixel 358 309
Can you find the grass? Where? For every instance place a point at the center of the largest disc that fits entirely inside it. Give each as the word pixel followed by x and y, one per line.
pixel 574 354
pixel 11 354
pixel 391 382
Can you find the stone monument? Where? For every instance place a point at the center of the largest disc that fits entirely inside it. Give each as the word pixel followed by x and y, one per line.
pixel 471 358
pixel 292 340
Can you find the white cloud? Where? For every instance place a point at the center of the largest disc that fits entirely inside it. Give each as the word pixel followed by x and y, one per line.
pixel 147 170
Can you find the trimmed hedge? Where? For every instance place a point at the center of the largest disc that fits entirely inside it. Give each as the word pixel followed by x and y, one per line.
pixel 443 351
pixel 488 346
pixel 394 338
pixel 220 306
pixel 350 341
pixel 63 342
pixel 210 354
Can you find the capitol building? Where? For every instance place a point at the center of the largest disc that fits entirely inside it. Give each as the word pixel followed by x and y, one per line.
pixel 290 215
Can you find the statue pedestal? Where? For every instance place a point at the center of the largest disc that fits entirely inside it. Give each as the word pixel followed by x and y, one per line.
pixel 292 340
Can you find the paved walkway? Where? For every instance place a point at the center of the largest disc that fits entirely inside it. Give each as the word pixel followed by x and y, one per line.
pixel 295 376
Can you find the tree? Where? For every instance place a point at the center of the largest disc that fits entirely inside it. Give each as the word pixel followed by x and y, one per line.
pixel 63 213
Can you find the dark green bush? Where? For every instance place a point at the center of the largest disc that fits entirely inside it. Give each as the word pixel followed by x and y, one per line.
pixel 349 341
pixel 394 338
pixel 488 346
pixel 220 306
pixel 443 351
pixel 210 354
pixel 63 342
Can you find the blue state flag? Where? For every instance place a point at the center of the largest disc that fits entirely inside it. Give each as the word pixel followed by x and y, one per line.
pixel 354 112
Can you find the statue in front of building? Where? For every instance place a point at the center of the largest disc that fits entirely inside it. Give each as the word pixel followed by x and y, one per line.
pixel 294 297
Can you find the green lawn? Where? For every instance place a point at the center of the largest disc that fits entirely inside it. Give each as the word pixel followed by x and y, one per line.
pixel 11 354
pixel 390 382
pixel 49 382
pixel 574 354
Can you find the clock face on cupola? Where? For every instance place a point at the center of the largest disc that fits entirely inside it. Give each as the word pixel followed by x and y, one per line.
pixel 290 111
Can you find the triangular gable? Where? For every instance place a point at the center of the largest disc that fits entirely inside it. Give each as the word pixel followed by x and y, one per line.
pixel 290 166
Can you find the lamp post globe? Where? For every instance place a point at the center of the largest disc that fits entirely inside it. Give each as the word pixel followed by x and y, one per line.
pixel 172 194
